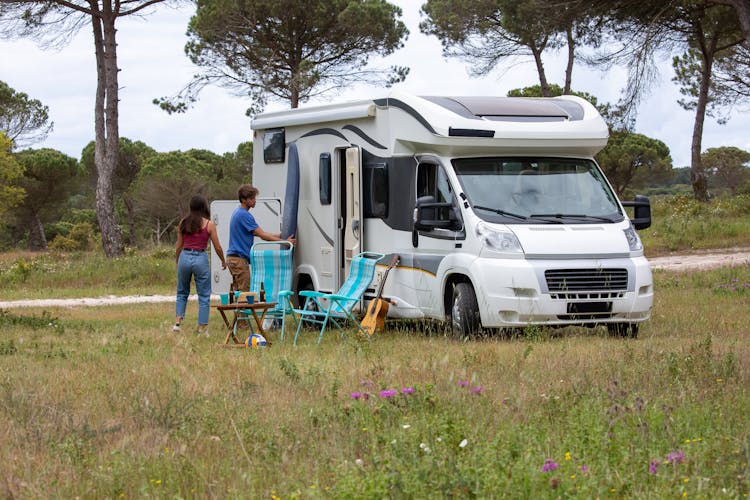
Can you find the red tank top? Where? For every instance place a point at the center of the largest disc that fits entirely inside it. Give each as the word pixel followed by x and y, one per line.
pixel 196 241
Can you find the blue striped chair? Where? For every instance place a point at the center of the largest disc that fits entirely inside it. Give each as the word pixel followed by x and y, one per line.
pixel 271 265
pixel 336 308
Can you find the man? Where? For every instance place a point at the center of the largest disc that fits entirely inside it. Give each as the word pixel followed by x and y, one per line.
pixel 242 231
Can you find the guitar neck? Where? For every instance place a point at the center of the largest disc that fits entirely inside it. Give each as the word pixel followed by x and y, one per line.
pixel 394 261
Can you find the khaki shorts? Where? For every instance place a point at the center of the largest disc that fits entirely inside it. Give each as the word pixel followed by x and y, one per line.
pixel 240 270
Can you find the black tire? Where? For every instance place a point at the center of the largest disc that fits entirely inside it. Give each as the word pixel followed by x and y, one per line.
pixel 301 302
pixel 464 313
pixel 624 330
pixel 307 286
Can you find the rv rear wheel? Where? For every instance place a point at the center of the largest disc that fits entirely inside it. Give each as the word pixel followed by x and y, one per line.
pixel 625 330
pixel 464 311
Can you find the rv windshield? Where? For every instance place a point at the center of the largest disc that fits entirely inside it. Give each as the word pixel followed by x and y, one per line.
pixel 537 190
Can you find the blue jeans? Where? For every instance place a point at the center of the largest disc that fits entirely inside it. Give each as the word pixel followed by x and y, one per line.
pixel 193 264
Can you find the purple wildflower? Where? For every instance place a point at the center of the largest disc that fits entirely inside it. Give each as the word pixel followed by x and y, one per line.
pixel 584 469
pixel 676 457
pixel 356 395
pixel 463 383
pixel 653 466
pixel 477 390
pixel 388 393
pixel 549 465
pixel 407 390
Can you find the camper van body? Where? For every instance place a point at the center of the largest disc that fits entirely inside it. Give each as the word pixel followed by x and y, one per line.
pixel 495 207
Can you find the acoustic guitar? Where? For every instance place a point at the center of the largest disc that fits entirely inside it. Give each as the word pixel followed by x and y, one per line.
pixel 374 320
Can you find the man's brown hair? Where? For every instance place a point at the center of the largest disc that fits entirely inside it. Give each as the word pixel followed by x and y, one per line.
pixel 246 191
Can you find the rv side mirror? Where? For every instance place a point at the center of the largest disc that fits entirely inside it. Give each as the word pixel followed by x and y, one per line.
pixel 641 211
pixel 430 214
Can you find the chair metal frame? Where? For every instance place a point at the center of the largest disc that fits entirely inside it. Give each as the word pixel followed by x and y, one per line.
pixel 336 308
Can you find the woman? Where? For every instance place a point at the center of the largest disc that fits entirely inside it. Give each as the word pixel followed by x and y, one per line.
pixel 193 234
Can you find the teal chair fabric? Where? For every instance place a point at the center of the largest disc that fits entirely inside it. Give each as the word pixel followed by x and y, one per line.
pixel 336 308
pixel 271 264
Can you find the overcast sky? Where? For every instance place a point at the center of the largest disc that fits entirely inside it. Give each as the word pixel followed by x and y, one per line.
pixel 153 64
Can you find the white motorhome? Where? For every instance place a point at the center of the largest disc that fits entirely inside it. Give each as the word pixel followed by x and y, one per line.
pixel 494 205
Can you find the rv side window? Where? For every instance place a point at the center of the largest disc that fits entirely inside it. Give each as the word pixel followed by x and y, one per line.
pixel 274 143
pixel 375 191
pixel 433 187
pixel 324 178
pixel 432 181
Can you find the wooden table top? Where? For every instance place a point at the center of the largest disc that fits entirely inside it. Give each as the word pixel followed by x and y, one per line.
pixel 245 305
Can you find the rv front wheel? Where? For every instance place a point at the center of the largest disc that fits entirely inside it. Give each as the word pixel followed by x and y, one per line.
pixel 308 305
pixel 464 311
pixel 624 330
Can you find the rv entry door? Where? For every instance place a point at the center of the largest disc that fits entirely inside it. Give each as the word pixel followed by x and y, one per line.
pixel 354 233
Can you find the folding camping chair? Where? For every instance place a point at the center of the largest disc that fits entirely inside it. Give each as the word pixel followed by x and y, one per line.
pixel 336 308
pixel 271 266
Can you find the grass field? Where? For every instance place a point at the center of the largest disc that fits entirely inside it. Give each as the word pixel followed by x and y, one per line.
pixel 105 402
pixel 681 224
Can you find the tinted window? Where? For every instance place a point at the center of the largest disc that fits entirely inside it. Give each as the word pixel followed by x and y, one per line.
pixel 324 179
pixel 375 190
pixel 273 145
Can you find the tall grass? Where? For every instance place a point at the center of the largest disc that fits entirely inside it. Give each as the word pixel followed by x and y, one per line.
pixel 106 402
pixel 682 224
pixel 27 275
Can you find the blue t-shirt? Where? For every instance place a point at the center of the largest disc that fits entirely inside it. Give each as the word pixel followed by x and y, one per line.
pixel 241 237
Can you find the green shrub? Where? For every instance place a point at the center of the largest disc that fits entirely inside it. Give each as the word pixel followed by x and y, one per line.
pixel 64 244
pixel 75 216
pixel 60 228
pixel 83 233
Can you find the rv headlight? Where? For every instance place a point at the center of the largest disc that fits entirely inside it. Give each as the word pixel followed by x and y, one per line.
pixel 498 241
pixel 634 241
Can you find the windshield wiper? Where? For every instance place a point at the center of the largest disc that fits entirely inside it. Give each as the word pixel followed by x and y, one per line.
pixel 576 216
pixel 501 212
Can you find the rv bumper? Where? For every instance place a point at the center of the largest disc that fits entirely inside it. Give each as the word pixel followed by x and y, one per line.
pixel 513 293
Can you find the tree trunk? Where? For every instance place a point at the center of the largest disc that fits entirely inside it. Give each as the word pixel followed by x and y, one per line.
pixel 157 233
pixel 697 175
pixel 540 69
pixel 37 239
pixel 106 148
pixel 294 97
pixel 571 56
pixel 130 208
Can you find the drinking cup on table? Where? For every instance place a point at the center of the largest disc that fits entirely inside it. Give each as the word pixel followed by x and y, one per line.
pixel 250 298
pixel 237 296
pixel 224 297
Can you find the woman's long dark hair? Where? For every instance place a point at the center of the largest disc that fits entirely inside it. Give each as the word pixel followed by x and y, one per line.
pixel 193 222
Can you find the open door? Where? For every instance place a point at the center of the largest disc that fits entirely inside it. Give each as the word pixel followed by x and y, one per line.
pixel 353 240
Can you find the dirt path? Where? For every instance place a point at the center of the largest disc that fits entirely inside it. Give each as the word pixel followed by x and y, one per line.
pixel 681 262
pixel 90 301
pixel 702 260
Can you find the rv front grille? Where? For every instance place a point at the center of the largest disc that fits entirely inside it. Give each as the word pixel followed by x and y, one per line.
pixel 586 280
pixel 587 295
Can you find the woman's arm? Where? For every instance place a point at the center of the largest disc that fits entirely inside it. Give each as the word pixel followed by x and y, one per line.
pixel 178 249
pixel 215 242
